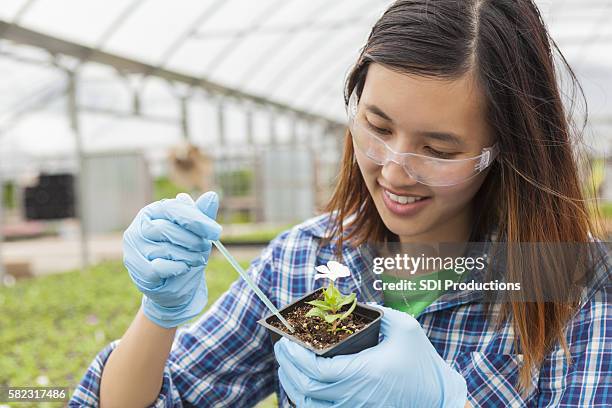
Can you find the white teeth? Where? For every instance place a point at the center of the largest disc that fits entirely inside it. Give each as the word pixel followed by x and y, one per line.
pixel 402 199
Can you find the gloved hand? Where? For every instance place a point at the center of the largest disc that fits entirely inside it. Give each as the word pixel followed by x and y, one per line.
pixel 404 370
pixel 165 250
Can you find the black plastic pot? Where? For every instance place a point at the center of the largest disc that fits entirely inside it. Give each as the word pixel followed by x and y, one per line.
pixel 361 340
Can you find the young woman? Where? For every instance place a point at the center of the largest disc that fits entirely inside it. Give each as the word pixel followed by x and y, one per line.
pixel 457 133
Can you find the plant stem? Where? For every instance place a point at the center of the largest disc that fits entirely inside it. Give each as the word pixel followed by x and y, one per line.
pixel 331 285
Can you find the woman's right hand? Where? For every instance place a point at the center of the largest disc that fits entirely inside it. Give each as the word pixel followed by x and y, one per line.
pixel 166 249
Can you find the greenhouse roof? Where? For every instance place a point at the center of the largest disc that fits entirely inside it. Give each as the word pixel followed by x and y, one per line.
pixel 289 55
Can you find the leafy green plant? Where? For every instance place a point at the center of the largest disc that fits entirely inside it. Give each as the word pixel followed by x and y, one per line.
pixel 328 309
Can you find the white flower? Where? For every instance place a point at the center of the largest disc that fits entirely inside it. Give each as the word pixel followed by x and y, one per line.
pixel 332 271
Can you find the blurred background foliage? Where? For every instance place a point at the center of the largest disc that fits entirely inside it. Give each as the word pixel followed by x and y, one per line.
pixel 51 332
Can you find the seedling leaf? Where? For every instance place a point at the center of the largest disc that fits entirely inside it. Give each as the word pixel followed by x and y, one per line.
pixel 349 311
pixel 320 304
pixel 316 312
pixel 330 318
pixel 347 300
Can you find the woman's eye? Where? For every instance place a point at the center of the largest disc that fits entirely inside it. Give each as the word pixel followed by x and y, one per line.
pixel 438 153
pixel 379 130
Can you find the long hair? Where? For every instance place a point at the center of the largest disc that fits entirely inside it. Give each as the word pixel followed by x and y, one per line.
pixel 532 192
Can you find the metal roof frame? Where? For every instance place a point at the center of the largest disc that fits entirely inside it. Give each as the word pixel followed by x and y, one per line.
pixel 56 46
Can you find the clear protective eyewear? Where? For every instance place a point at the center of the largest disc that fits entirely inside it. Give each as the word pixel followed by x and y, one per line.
pixel 428 170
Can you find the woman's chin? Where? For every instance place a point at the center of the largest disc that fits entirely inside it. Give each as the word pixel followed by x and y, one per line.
pixel 408 228
pixel 411 233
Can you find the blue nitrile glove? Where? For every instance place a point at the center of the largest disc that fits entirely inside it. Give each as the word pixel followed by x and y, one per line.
pixel 404 370
pixel 165 250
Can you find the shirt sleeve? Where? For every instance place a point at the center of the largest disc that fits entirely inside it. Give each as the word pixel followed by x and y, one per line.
pixel 585 381
pixel 88 391
pixel 225 358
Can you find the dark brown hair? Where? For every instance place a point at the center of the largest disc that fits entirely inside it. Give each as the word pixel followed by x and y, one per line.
pixel 533 191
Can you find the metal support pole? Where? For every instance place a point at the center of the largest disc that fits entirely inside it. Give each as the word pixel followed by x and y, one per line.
pixel 249 127
pixel 221 123
pixel 73 116
pixel 311 135
pixel 272 128
pixel 294 131
pixel 185 118
pixel 136 105
pixel 1 227
pixel 318 161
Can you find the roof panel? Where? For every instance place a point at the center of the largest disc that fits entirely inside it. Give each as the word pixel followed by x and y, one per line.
pixel 75 20
pixel 300 47
pixel 307 62
pixel 193 55
pixel 153 28
pixel 301 12
pixel 23 86
pixel 237 15
pixel 239 62
pixel 10 8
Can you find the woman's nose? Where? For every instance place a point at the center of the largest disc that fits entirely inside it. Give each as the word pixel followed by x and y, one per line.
pixel 396 175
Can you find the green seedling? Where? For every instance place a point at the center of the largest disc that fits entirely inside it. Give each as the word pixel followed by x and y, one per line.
pixel 328 308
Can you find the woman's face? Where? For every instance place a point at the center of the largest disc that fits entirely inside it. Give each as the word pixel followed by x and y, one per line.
pixel 409 110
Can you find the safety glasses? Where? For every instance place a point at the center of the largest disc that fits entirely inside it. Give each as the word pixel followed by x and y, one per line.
pixel 429 170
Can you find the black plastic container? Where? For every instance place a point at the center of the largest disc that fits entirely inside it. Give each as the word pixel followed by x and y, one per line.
pixel 361 340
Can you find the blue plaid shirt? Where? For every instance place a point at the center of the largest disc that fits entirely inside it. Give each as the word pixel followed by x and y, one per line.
pixel 226 359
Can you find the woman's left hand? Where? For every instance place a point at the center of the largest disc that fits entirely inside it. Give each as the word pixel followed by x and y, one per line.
pixel 404 370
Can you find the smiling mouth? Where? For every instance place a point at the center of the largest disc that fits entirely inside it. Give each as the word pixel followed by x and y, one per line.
pixel 403 199
pixel 399 198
